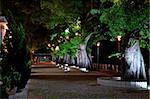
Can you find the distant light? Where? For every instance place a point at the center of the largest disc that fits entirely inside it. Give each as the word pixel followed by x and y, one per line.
pixel 98 44
pixel 119 38
pixel 59 41
pixel 67 37
pixel 76 34
pixel 32 51
pixel 61 37
pixel 10 36
pixel 53 44
pixel 57 48
pixel 5 50
pixel 67 30
pixel 49 45
pixel 78 21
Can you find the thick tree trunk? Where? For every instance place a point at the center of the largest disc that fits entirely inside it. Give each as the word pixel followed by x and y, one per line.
pixel 134 59
pixel 83 60
pixel 68 59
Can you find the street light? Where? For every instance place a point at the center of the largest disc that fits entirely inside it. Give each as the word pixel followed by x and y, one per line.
pixel 119 39
pixel 120 60
pixel 98 45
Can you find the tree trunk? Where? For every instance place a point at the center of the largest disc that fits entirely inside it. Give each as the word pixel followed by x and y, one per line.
pixel 83 60
pixel 69 59
pixel 66 59
pixel 134 59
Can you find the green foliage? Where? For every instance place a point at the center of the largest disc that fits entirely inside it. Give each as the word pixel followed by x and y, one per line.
pixel 15 52
pixel 115 19
pixel 124 17
pixel 95 11
pixel 118 55
pixel 69 47
pixel 11 79
pixel 58 12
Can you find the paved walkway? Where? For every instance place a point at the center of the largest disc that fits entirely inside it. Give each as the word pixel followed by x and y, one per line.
pixel 49 82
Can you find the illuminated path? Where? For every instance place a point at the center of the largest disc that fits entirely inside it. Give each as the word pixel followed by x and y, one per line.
pixel 49 82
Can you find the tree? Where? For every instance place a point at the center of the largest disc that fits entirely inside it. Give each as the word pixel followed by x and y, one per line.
pixel 18 53
pixel 123 18
pixel 83 58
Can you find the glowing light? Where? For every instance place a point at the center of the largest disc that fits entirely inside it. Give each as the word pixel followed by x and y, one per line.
pixel 67 30
pixel 119 38
pixel 78 21
pixel 57 48
pixel 98 44
pixel 67 37
pixel 53 44
pixel 49 45
pixel 10 36
pixel 32 51
pixel 76 34
pixel 59 41
pixel 5 50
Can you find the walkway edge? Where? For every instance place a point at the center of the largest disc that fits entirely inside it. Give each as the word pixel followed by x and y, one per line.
pixel 140 85
pixel 21 95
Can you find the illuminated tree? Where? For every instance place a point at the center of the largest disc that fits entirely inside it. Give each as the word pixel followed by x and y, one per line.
pixel 83 58
pixel 123 18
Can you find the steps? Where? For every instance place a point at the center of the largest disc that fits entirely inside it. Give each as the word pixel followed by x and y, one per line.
pixel 50 71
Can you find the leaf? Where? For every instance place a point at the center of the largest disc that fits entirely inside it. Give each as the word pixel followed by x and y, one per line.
pixel 94 11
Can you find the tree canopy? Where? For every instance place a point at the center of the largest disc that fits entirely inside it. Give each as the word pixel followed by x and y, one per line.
pixel 124 17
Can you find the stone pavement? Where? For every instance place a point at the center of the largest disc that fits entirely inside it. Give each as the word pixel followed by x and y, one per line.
pixel 49 82
pixel 82 89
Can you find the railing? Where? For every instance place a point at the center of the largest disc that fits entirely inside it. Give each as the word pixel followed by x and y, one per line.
pixel 106 67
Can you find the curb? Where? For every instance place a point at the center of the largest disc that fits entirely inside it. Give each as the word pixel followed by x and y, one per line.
pixel 115 82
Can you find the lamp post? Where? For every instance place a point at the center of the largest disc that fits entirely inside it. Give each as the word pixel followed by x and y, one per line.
pixel 119 39
pixel 98 44
pixel 120 59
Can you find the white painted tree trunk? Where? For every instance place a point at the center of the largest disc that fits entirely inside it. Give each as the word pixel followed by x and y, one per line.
pixel 134 60
pixel 83 60
pixel 68 59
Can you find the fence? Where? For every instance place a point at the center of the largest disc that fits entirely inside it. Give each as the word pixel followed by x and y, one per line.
pixel 106 67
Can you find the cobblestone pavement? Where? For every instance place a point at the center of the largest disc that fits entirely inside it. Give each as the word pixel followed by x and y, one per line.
pixel 79 88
